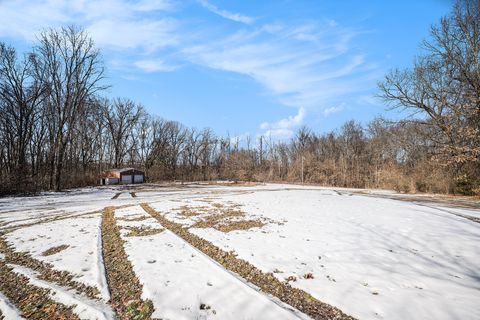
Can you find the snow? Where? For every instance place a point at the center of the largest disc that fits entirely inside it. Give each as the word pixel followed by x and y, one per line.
pixel 370 255
pixel 83 255
pixel 385 253
pixel 9 311
pixel 178 279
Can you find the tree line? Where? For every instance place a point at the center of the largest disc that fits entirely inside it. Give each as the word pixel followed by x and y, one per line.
pixel 58 131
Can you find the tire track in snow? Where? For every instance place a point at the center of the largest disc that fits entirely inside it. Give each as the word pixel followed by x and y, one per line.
pixel 125 288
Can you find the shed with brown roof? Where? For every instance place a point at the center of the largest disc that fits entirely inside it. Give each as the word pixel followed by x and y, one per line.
pixel 122 176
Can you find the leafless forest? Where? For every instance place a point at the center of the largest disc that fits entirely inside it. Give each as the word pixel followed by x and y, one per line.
pixel 57 130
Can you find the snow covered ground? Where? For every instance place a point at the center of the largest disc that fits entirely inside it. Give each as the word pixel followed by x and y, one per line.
pixel 179 279
pixel 372 257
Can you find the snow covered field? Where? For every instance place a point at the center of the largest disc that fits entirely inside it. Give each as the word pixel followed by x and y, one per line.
pixel 372 254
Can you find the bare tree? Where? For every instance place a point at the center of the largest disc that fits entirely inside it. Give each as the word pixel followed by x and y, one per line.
pixel 72 70
pixel 444 85
pixel 20 97
pixel 120 117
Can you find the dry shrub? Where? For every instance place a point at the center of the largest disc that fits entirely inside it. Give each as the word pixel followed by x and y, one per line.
pixel 390 177
pixel 142 231
pixel 54 250
pixel 226 218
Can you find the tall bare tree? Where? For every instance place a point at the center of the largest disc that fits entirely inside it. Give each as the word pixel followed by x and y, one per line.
pixel 20 97
pixel 444 85
pixel 73 71
pixel 121 116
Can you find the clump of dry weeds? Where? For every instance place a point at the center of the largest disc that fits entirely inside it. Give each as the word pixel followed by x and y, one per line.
pixel 140 218
pixel 142 231
pixel 54 250
pixel 227 218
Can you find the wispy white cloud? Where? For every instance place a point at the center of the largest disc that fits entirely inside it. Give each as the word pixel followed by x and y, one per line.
pixel 300 66
pixel 155 65
pixel 127 29
pixel 284 127
pixel 333 110
pixel 113 24
pixel 148 35
pixel 226 14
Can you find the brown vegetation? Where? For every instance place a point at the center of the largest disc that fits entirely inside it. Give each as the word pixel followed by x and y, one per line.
pixel 32 301
pixel 54 250
pixel 141 231
pixel 46 270
pixel 125 288
pixel 224 218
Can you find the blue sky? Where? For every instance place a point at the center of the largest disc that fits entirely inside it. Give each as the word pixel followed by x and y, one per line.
pixel 242 67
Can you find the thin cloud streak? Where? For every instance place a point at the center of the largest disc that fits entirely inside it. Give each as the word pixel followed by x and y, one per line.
pixel 226 14
pixel 299 73
pixel 155 65
pixel 116 25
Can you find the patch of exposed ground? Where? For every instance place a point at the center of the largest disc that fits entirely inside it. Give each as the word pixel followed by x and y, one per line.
pixel 125 288
pixel 46 271
pixel 116 195
pixel 187 211
pixel 141 231
pixel 32 301
pixel 133 194
pixel 54 250
pixel 139 218
pixel 267 282
pixel 224 218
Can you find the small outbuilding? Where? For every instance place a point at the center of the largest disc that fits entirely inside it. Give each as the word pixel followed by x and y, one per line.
pixel 122 176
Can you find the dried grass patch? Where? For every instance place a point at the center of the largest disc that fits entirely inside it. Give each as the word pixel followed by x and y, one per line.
pixel 125 288
pixel 32 301
pixel 239 225
pixel 187 211
pixel 227 219
pixel 131 219
pixel 116 195
pixel 142 231
pixel 54 250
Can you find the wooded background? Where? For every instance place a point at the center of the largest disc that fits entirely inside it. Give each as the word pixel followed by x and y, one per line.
pixel 57 130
